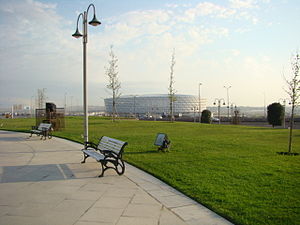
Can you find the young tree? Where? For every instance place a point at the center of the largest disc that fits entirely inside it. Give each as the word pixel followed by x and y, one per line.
pixel 172 91
pixel 113 82
pixel 293 90
pixel 275 114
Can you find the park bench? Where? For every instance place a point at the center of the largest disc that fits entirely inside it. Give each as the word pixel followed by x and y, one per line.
pixel 43 130
pixel 108 153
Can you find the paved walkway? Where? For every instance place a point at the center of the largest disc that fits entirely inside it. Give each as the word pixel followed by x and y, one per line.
pixel 43 183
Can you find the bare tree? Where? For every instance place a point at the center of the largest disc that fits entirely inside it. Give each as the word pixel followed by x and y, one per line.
pixel 41 98
pixel 113 82
pixel 293 90
pixel 172 91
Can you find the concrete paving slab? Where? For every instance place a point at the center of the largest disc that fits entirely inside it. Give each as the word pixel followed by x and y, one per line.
pixel 43 182
pixel 113 202
pixel 136 221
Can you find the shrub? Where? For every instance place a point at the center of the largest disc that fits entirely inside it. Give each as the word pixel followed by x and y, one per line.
pixel 275 114
pixel 206 116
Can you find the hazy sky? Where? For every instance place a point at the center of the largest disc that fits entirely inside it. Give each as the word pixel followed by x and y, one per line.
pixel 246 44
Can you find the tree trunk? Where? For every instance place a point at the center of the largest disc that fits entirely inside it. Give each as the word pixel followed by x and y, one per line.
pixel 291 128
pixel 171 110
pixel 114 107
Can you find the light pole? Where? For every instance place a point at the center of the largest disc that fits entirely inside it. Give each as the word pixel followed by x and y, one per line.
pixel 31 106
pixel 219 101
pixel 265 112
pixel 65 103
pixel 227 88
pixel 134 104
pixel 77 34
pixel 283 100
pixel 194 108
pixel 232 105
pixel 199 101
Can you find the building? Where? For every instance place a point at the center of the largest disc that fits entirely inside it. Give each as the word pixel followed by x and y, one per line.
pixel 137 105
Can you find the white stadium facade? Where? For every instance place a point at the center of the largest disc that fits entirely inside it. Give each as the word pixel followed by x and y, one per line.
pixel 137 105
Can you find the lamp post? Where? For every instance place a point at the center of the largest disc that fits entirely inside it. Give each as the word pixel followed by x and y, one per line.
pixel 77 34
pixel 134 104
pixel 219 101
pixel 31 106
pixel 199 101
pixel 194 108
pixel 283 100
pixel 228 106
pixel 232 106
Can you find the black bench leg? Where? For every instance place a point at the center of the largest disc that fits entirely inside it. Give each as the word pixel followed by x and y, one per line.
pixel 85 156
pixel 102 167
pixel 120 167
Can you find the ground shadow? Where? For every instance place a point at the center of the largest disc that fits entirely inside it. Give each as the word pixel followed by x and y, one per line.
pixel 12 139
pixel 35 173
pixel 288 153
pixel 146 152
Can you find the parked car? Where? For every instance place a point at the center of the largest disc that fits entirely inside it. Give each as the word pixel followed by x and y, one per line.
pixel 213 119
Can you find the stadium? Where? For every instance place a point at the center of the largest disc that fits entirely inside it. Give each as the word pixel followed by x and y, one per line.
pixel 149 105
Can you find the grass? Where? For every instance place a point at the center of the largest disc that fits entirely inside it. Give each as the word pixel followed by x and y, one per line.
pixel 233 170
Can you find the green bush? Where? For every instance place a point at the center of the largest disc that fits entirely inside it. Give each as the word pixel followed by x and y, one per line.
pixel 206 116
pixel 275 114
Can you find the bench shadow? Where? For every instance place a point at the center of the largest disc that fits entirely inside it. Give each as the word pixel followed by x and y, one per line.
pixel 35 173
pixel 12 139
pixel 146 152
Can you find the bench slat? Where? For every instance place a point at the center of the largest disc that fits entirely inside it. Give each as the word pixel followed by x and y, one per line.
pixel 111 144
pixel 105 146
pixel 96 155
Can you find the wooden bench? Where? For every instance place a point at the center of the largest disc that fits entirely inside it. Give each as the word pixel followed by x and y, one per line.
pixel 108 152
pixel 43 130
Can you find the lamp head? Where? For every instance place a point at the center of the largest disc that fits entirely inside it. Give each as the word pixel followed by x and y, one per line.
pixel 77 34
pixel 94 22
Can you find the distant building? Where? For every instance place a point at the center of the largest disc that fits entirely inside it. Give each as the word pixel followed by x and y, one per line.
pixel 155 105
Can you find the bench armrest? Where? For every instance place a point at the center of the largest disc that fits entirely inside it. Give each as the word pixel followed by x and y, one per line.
pixel 33 127
pixel 91 145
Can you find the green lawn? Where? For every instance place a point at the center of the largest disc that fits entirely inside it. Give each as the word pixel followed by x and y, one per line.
pixel 233 170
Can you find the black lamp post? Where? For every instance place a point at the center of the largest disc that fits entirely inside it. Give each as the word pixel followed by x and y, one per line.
pixel 219 101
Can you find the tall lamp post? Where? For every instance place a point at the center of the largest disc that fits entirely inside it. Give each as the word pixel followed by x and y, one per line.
pixel 228 106
pixel 199 101
pixel 283 100
pixel 77 34
pixel 194 108
pixel 219 102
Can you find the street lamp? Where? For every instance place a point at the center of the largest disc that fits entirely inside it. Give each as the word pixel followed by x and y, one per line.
pixel 283 100
pixel 199 101
pixel 77 34
pixel 194 108
pixel 227 100
pixel 219 101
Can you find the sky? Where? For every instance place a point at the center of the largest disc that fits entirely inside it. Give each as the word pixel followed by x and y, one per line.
pixel 245 44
